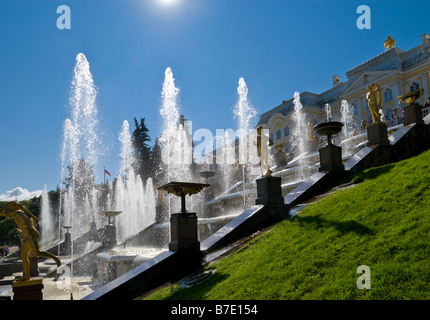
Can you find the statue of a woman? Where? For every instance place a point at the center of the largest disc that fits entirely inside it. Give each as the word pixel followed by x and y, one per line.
pixel 374 100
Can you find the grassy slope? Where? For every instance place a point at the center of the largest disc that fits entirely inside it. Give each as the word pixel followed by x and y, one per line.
pixel 383 223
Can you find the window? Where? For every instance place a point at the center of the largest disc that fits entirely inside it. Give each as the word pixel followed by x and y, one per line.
pixel 414 86
pixel 388 95
pixel 278 134
pixel 286 131
pixel 271 136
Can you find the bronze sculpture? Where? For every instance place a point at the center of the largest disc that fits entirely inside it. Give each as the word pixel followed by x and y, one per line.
pixel 27 227
pixel 263 154
pixel 374 100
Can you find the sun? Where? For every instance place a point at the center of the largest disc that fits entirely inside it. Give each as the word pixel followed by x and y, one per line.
pixel 167 2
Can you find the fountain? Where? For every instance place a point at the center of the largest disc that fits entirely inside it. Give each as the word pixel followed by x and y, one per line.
pixel 183 224
pixel 109 238
pixel 299 137
pixel 330 155
pixel 412 111
pixel 347 112
pixel 244 112
pixel 327 109
pixel 207 174
pixel 80 149
pixel 135 200
pixel 46 219
pixel 175 139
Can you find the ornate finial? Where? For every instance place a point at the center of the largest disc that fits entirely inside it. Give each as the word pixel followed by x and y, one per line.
pixel 411 97
pixel 389 43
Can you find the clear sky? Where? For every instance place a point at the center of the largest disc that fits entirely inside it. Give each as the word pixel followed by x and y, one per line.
pixel 278 46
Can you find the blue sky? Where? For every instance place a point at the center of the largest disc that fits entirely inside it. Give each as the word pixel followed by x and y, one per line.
pixel 278 46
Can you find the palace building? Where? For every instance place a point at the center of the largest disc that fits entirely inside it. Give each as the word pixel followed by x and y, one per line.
pixel 395 71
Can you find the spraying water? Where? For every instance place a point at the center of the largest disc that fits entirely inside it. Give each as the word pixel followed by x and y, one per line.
pixel 136 202
pixel 80 149
pixel 228 154
pixel 328 112
pixel 244 112
pixel 46 219
pixel 347 112
pixel 300 135
pixel 127 158
pixel 175 140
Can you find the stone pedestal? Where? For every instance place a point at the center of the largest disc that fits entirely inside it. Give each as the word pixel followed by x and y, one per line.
pixel 67 248
pixel 34 272
pixel 183 232
pixel 269 194
pixel 28 290
pixel 109 237
pixel 269 191
pixel 280 159
pixel 413 114
pixel 377 134
pixel 331 158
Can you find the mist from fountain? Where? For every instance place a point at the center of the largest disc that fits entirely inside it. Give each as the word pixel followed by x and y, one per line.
pixel 175 140
pixel 244 112
pixel 300 135
pixel 80 148
pixel 228 155
pixel 46 218
pixel 135 201
pixel 327 108
pixel 347 114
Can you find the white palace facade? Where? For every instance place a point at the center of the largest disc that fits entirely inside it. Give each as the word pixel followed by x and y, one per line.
pixel 395 71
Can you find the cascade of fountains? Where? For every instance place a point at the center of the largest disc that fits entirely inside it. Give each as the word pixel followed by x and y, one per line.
pixel 81 201
pixel 132 198
pixel 46 218
pixel 80 150
pixel 300 135
pixel 244 112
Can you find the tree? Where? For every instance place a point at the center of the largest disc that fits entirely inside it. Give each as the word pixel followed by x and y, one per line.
pixel 81 178
pixel 142 152
pixel 156 161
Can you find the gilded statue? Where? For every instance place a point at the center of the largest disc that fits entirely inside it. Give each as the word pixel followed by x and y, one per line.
pixel 311 138
pixel 27 227
pixel 263 154
pixel 374 100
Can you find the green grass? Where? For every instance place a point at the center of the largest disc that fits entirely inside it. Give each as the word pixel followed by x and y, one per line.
pixel 384 223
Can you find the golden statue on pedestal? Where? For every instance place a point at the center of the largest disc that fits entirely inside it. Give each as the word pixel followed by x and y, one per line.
pixel 374 101
pixel 263 154
pixel 311 138
pixel 27 227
